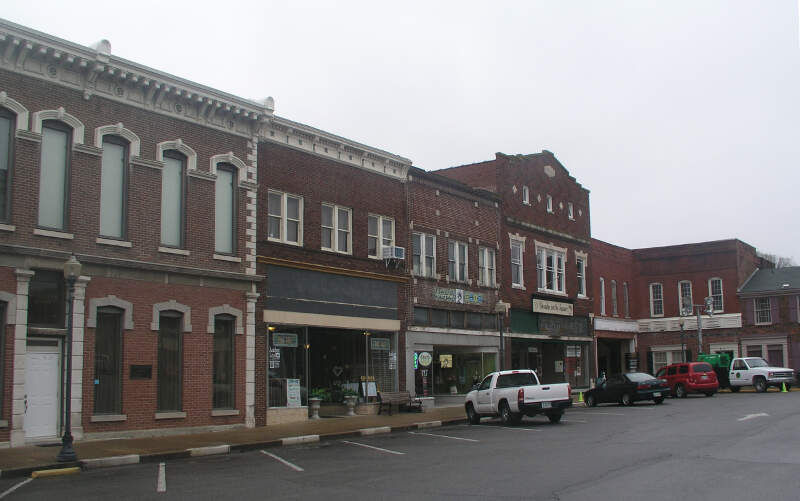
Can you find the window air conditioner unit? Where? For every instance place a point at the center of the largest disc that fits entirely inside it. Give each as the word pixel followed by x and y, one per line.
pixel 394 252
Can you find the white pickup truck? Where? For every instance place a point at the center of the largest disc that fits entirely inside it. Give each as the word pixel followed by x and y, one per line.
pixel 756 372
pixel 512 394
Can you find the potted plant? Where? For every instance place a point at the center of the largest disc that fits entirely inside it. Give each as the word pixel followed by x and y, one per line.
pixel 350 398
pixel 317 396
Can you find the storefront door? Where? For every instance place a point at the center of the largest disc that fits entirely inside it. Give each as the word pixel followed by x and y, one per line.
pixel 42 362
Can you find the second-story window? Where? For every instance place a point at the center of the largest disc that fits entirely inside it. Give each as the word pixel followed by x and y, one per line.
pixel 656 300
pixel 6 154
pixel 763 310
pixel 685 294
pixel 54 175
pixel 336 228
pixel 113 187
pixel 285 218
pixel 380 232
pixel 614 298
pixel 526 195
pixel 549 204
pixel 715 291
pixel 581 266
pixel 486 266
pixel 424 255
pixel 625 299
pixel 172 195
pixel 457 261
pixel 550 265
pixel 570 211
pixel 602 296
pixel 225 210
pixel 517 263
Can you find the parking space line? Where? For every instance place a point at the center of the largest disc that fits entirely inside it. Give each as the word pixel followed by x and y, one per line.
pixel 444 436
pixel 373 447
pixel 161 485
pixel 752 416
pixel 608 413
pixel 287 463
pixel 521 428
pixel 12 489
pixel 574 421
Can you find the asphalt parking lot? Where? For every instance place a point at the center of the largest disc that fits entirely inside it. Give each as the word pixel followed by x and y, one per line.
pixel 730 446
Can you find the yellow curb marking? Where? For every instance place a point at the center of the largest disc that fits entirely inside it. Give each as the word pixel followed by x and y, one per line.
pixel 55 473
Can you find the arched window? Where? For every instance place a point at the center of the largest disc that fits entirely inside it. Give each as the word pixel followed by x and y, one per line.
pixel 114 187
pixel 225 209
pixel 54 174
pixel 172 198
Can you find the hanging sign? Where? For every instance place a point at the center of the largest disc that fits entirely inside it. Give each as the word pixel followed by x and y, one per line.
pixel 284 340
pixel 425 359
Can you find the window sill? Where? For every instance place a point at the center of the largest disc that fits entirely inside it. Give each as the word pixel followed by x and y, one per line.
pixel 552 293
pixel 112 242
pixel 108 418
pixel 8 227
pixel 170 415
pixel 171 250
pixel 334 251
pixel 3 423
pixel 518 286
pixel 230 259
pixel 53 234
pixel 224 412
pixel 761 324
pixel 284 242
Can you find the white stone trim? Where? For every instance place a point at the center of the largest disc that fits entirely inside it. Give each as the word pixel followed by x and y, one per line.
pixel 172 305
pixel 126 306
pixel 11 308
pixel 178 145
pixel 228 158
pixel 231 259
pixel 53 234
pixel 15 107
pixel 7 227
pixel 118 130
pixel 170 415
pixel 108 418
pixel 62 116
pixel 224 412
pixel 172 250
pixel 250 359
pixel 112 242
pixel 17 438
pixel 225 309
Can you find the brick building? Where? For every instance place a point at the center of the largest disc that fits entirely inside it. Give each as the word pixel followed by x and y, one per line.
pixel 452 339
pixel 150 181
pixel 544 257
pixel 333 303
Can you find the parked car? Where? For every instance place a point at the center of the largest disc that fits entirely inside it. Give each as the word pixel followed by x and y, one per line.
pixel 690 377
pixel 626 389
pixel 758 373
pixel 512 394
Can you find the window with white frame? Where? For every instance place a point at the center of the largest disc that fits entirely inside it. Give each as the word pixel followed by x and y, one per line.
pixel 685 294
pixel 602 296
pixel 424 255
pixel 380 231
pixel 517 247
pixel 526 195
pixel 656 300
pixel 54 175
pixel 457 261
pixel 715 291
pixel 580 264
pixel 763 310
pixel 614 298
pixel 549 203
pixel 626 300
pixel 486 266
pixel 550 260
pixel 284 218
pixel 570 211
pixel 336 224
pixel 665 356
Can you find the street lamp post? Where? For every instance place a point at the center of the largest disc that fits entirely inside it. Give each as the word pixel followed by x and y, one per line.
pixel 707 307
pixel 501 309
pixel 683 342
pixel 72 270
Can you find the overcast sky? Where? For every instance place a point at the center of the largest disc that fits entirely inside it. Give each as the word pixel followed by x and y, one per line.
pixel 680 117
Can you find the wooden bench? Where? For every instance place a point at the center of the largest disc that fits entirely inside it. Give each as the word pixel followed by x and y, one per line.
pixel 399 398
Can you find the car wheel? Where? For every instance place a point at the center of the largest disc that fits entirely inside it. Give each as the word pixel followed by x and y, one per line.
pixel 508 417
pixel 760 384
pixel 591 401
pixel 680 391
pixel 627 399
pixel 472 416
pixel 735 389
pixel 709 393
pixel 554 417
pixel 658 400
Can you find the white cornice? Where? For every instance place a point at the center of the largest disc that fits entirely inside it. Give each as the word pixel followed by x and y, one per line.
pixel 615 324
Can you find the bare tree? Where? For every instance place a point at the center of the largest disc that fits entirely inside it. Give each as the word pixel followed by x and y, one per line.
pixel 777 261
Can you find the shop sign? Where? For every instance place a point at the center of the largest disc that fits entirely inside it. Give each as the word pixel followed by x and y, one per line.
pixel 552 307
pixel 563 326
pixel 573 350
pixel 380 344
pixel 446 361
pixel 284 340
pixel 425 359
pixel 293 393
pixel 274 358
pixel 458 296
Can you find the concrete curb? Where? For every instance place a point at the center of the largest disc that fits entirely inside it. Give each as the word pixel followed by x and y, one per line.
pixel 304 439
pixel 55 472
pixel 429 424
pixel 91 464
pixel 375 431
pixel 211 450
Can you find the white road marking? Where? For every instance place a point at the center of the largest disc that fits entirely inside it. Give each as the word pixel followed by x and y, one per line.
pixel 573 421
pixel 373 447
pixel 287 463
pixel 608 413
pixel 444 436
pixel 9 491
pixel 521 428
pixel 752 416
pixel 161 486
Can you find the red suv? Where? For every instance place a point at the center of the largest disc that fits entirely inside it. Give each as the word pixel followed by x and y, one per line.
pixel 690 377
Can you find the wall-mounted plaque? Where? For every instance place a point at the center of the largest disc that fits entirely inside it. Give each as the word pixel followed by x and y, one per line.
pixel 141 371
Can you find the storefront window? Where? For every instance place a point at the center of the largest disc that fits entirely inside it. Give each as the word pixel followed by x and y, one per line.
pixel 287 367
pixel 554 362
pixel 452 370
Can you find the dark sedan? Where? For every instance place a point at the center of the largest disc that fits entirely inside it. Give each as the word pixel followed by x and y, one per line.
pixel 628 388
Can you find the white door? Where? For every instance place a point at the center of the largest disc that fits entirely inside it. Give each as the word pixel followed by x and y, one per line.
pixel 42 364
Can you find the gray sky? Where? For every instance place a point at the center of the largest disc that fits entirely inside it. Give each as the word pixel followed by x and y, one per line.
pixel 680 117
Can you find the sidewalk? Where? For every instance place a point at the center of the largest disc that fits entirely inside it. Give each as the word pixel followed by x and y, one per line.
pixel 22 461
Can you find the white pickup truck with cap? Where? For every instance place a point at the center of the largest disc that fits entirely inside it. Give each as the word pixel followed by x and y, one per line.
pixel 512 394
pixel 758 373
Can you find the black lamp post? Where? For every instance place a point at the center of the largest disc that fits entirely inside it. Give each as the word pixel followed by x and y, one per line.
pixel 501 309
pixel 72 270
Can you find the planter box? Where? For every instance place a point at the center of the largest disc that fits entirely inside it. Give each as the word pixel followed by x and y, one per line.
pixel 367 409
pixel 332 409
